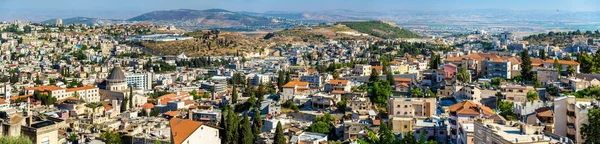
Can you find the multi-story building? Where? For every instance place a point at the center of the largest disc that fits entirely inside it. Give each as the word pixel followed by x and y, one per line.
pixel 294 88
pixel 323 101
pixel 497 68
pixel 461 116
pixel 362 70
pixel 314 80
pixel 516 93
pixel 338 86
pixel 187 132
pixel 432 128
pixel 469 92
pixel 43 132
pixel 570 114
pixel 547 75
pixel 358 103
pixel 311 138
pixel 412 107
pixel 141 81
pixel 564 63
pixel 260 78
pixel 87 93
pixel 490 132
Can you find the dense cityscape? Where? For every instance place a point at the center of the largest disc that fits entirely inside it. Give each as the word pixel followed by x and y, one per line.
pixel 221 77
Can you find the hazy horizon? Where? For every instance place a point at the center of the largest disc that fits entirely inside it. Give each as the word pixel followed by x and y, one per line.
pixel 38 10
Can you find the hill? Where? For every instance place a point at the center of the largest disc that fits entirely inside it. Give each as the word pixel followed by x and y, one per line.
pixel 210 43
pixel 380 29
pixel 206 19
pixel 84 20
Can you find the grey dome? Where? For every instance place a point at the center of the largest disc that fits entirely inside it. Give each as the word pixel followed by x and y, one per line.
pixel 116 74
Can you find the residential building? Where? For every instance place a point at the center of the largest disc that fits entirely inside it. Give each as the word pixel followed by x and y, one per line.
pixel 41 132
pixel 497 68
pixel 311 138
pixel 260 78
pixel 324 101
pixel 294 88
pixel 338 86
pixel 87 93
pixel 461 119
pixel 362 70
pixel 490 132
pixel 188 132
pixel 570 114
pixel 516 93
pixel 314 80
pixel 412 107
pixel 547 75
pixel 141 81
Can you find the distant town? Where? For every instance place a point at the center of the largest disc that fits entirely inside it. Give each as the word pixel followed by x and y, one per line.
pixel 351 82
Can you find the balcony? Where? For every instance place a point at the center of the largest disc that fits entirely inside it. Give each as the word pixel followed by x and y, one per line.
pixel 571 107
pixel 571 114
pixel 570 119
pixel 571 131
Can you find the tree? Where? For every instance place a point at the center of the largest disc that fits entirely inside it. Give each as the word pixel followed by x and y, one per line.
pixel 434 61
pixel 532 95
pixel 341 106
pixel 570 70
pixel 463 75
pixel 73 137
pixel 111 138
pixel 416 92
pixel 130 97
pixel 280 81
pixel 279 137
pixel 246 134
pixel 389 76
pixel 234 95
pixel 15 140
pixel 336 74
pixel 590 130
pixel 143 112
pixel 526 65
pixel 558 66
pixel 374 75
pixel 123 104
pixel 288 77
pixel 256 124
pixel 586 63
pixel 231 128
pixel 154 112
pixel 542 54
pixel 431 94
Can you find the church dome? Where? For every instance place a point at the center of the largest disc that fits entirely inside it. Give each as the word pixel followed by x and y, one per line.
pixel 116 74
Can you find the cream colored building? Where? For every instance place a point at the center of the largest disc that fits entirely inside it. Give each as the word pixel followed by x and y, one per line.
pixel 44 132
pixel 294 88
pixel 490 132
pixel 412 107
pixel 362 70
pixel 570 114
pixel 516 93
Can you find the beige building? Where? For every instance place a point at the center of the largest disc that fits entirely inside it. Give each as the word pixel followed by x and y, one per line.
pixel 362 70
pixel 87 93
pixel 547 75
pixel 516 93
pixel 294 88
pixel 570 114
pixel 412 107
pixel 490 132
pixel 44 132
pixel 338 86
pixel 191 132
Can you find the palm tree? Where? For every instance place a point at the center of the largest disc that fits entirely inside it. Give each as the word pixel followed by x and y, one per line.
pixel 463 75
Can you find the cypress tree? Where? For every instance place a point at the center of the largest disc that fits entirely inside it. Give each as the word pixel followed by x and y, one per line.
pixel 256 124
pixel 246 134
pixel 280 81
pixel 279 137
pixel 374 75
pixel 234 95
pixel 526 66
pixel 130 97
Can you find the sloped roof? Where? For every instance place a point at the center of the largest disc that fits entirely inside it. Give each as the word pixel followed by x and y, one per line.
pixel 181 129
pixel 338 82
pixel 294 83
pixel 471 108
pixel 116 74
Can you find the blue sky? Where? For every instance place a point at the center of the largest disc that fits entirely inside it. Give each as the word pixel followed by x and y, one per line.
pixel 126 8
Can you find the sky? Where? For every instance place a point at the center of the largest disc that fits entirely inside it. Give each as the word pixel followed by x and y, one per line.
pixel 121 9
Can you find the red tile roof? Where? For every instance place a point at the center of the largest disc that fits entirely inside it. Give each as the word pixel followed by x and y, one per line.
pixel 181 129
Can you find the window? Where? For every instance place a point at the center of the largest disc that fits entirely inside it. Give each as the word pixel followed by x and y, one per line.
pixel 405 126
pixel 45 140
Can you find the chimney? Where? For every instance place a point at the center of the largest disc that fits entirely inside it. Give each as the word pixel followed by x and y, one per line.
pixel 190 114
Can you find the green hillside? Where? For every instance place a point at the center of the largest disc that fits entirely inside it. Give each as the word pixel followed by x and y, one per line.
pixel 380 29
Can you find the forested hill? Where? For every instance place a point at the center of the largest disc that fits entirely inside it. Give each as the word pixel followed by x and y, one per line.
pixel 380 29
